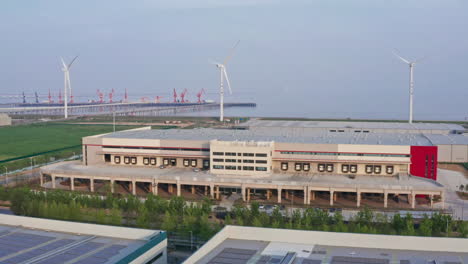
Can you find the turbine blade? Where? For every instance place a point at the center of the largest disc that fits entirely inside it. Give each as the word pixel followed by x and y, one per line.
pixel 227 80
pixel 420 59
pixel 396 53
pixel 231 53
pixel 69 65
pixel 63 63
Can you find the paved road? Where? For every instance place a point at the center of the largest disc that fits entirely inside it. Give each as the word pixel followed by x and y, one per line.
pixel 451 180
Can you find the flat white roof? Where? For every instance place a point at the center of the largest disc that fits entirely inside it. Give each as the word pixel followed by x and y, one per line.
pixel 355 125
pixel 238 244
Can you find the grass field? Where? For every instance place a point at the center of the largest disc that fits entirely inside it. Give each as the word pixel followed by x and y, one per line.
pixel 24 140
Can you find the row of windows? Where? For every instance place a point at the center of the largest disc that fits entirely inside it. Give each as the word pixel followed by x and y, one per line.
pixel 357 131
pixel 190 162
pixel 159 148
pixel 239 154
pixel 230 167
pixel 343 154
pixel 345 168
pixel 240 161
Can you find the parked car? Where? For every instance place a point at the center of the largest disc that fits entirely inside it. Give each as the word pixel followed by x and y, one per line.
pixel 162 167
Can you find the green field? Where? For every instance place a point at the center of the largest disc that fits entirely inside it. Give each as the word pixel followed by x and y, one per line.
pixel 16 141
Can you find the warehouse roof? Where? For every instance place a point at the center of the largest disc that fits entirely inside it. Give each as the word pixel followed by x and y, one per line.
pixel 35 240
pixel 238 244
pixel 293 136
pixel 356 125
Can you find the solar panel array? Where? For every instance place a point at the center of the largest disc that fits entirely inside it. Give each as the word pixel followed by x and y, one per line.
pixel 311 261
pixel 30 254
pixel 233 256
pixel 16 242
pixel 357 260
pixel 72 253
pixel 102 256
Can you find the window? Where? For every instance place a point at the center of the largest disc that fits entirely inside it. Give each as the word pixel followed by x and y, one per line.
pixel 240 161
pixel 248 154
pixel 261 161
pixel 369 169
pixel 206 164
pixel 126 160
pixel 186 162
pixel 260 168
pixel 230 167
pixel 248 168
pixel 330 167
pixel 298 166
pixel 239 167
pixel 306 167
pixel 377 169
pixel 107 157
pixel 389 169
pixel 134 160
pixel 193 163
pixel 248 161
pixel 284 166
pixel 153 161
pixel 218 153
pixel 173 162
pixel 353 168
pixel 344 168
pixel 165 162
pixel 218 160
pixel 239 154
pixel 332 130
pixel 146 161
pixel 340 130
pixel 230 154
pixel 218 167
pixel 260 155
pixel 321 167
pixel 231 160
pixel 117 159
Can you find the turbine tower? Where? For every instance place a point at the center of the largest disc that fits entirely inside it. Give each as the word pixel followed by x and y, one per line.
pixel 411 65
pixel 67 85
pixel 223 74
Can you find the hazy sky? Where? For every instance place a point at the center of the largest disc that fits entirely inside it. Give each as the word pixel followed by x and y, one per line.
pixel 306 58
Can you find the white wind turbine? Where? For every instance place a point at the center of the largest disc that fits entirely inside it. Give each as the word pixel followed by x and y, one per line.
pixel 67 84
pixel 411 65
pixel 223 74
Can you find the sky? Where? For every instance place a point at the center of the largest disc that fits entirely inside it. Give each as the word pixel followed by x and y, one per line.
pixel 304 58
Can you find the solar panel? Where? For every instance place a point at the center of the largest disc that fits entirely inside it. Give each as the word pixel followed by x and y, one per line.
pixel 38 251
pixel 233 256
pixel 263 259
pixel 311 261
pixel 358 260
pixel 405 261
pixel 72 253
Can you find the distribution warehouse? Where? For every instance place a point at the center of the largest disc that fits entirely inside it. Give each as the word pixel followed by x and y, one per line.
pixel 279 159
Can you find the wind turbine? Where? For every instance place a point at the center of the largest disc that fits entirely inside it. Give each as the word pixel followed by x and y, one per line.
pixel 223 74
pixel 411 65
pixel 67 85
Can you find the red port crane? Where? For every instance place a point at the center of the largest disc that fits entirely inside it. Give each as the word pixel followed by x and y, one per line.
pixel 144 99
pixel 101 96
pixel 50 98
pixel 182 95
pixel 199 95
pixel 175 96
pixel 157 99
pixel 111 95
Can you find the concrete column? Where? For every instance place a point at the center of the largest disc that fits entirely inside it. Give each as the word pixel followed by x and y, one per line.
pixel 155 188
pixel 41 179
pixel 432 200
pixel 112 183
pixel 178 188
pixel 170 188
pixel 72 183
pixel 279 194
pixel 305 195
pixel 332 194
pixel 442 199
pixel 206 190
pixel 217 192
pixel 243 190
pixel 313 195
pixel 134 187
pixel 413 200
pixel 248 194
pixel 212 191
pixel 358 199
pixel 91 184
pixel 268 194
pixel 385 199
pixel 53 182
pixel 193 189
pixel 335 196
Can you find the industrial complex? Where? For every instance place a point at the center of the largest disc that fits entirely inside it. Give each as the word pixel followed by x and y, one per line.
pixel 36 240
pixel 240 245
pixel 337 162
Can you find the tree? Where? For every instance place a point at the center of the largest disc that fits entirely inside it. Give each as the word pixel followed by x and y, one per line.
pixel 142 220
pixel 409 225
pixel 168 222
pixel 115 216
pixel 425 227
pixel 228 220
pixel 398 223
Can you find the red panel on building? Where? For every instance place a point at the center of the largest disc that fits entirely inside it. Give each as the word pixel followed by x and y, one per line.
pixel 424 162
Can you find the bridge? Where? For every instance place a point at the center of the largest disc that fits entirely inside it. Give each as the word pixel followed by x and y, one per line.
pixel 120 109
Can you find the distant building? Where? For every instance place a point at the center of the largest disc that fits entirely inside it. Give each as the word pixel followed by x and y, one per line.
pixel 5 120
pixel 45 241
pixel 242 245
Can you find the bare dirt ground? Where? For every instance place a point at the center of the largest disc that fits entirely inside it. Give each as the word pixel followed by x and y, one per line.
pixel 454 167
